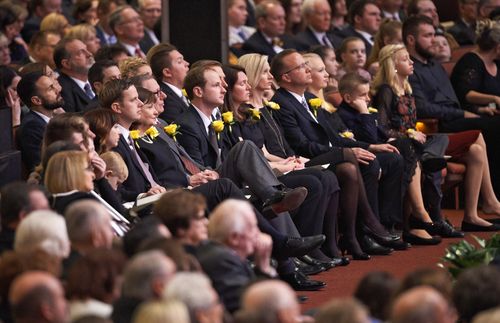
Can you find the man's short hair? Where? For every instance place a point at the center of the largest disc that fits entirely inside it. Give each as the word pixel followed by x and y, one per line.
pixel 112 92
pixel 26 88
pixel 228 217
pixel 15 197
pixel 110 52
pixel 158 58
pixel 277 65
pixel 176 209
pixel 96 72
pixel 350 82
pixel 138 80
pixel 262 7
pixel 60 52
pixel 195 77
pixel 357 8
pixel 410 26
pixel 115 18
pixel 29 305
pixel 40 38
pixel 83 218
pixel 412 8
pixel 206 63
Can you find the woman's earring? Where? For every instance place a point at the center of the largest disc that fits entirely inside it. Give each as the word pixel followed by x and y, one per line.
pixel 395 70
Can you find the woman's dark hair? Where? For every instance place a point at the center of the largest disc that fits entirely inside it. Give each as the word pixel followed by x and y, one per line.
pixel 80 7
pixel 231 71
pixel 100 122
pixel 7 74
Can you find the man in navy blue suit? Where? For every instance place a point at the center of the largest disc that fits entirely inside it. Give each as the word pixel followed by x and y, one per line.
pixel 313 135
pixel 39 93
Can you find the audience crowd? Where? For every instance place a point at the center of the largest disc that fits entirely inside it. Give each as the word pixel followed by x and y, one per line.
pixel 160 190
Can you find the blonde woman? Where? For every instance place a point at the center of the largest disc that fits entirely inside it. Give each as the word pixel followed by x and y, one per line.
pixel 397 113
pixel 87 34
pixel 390 33
pixel 55 22
pixel 69 176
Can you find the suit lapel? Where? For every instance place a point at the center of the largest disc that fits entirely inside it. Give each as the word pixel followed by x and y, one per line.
pixel 201 126
pixel 126 147
pixel 172 94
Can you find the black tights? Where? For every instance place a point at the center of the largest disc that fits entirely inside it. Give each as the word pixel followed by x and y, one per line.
pixel 353 202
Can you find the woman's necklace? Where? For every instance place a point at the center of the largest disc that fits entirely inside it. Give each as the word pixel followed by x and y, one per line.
pixel 274 127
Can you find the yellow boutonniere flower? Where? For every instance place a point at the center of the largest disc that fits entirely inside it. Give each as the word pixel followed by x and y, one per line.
pixel 272 105
pixel 347 134
pixel 372 110
pixel 254 114
pixel 135 134
pixel 218 126
pixel 228 118
pixel 184 92
pixel 411 133
pixel 315 104
pixel 152 132
pixel 172 130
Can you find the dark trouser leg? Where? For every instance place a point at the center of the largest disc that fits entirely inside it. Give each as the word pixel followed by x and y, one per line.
pixel 432 194
pixel 390 185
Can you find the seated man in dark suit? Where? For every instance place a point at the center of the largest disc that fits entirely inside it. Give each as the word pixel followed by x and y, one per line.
pixel 243 163
pixel 99 74
pixel 270 37
pixel 464 29
pixel 150 12
pixel 74 61
pixel 234 236
pixel 170 69
pixel 129 29
pixel 39 93
pixel 312 136
pixel 317 15
pixel 364 22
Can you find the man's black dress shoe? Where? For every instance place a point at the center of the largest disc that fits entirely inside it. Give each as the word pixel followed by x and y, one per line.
pixel 371 247
pixel 317 262
pixel 307 269
pixel 341 261
pixel 299 281
pixel 416 240
pixel 441 228
pixel 296 247
pixel 285 200
pixel 471 227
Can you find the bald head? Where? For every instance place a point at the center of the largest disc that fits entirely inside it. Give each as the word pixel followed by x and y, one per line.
pixel 272 297
pixel 421 305
pixel 38 297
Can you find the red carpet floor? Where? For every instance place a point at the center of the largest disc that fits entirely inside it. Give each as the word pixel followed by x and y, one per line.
pixel 342 281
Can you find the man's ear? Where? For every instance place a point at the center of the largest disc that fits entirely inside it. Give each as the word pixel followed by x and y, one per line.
pixel 36 100
pixel 65 63
pixel 197 92
pixel 410 40
pixel 98 86
pixel 286 78
pixel 357 19
pixel 166 72
pixel 115 106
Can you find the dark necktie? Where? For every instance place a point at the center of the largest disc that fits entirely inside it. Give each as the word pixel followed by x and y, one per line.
pixel 213 141
pixel 139 53
pixel 242 35
pixel 144 167
pixel 88 91
pixel 325 41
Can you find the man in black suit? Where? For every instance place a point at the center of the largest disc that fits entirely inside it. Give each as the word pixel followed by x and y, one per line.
pixel 364 22
pixel 99 74
pixel 39 93
pixel 243 163
pixel 170 69
pixel 464 29
pixel 129 29
pixel 150 12
pixel 270 37
pixel 74 61
pixel 312 135
pixel 317 15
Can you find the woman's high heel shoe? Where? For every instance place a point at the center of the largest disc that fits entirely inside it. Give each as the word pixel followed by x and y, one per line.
pixel 345 246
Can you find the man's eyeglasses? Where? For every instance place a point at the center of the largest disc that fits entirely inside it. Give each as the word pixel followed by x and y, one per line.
pixel 299 67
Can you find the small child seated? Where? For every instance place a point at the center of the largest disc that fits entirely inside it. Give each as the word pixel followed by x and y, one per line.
pixel 353 55
pixel 116 169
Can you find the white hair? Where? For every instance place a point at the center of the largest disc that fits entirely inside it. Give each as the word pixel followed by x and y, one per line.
pixel 43 229
pixel 193 289
pixel 230 216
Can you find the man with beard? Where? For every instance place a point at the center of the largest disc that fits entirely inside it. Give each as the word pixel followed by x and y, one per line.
pixel 39 93
pixel 436 98
pixel 74 61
